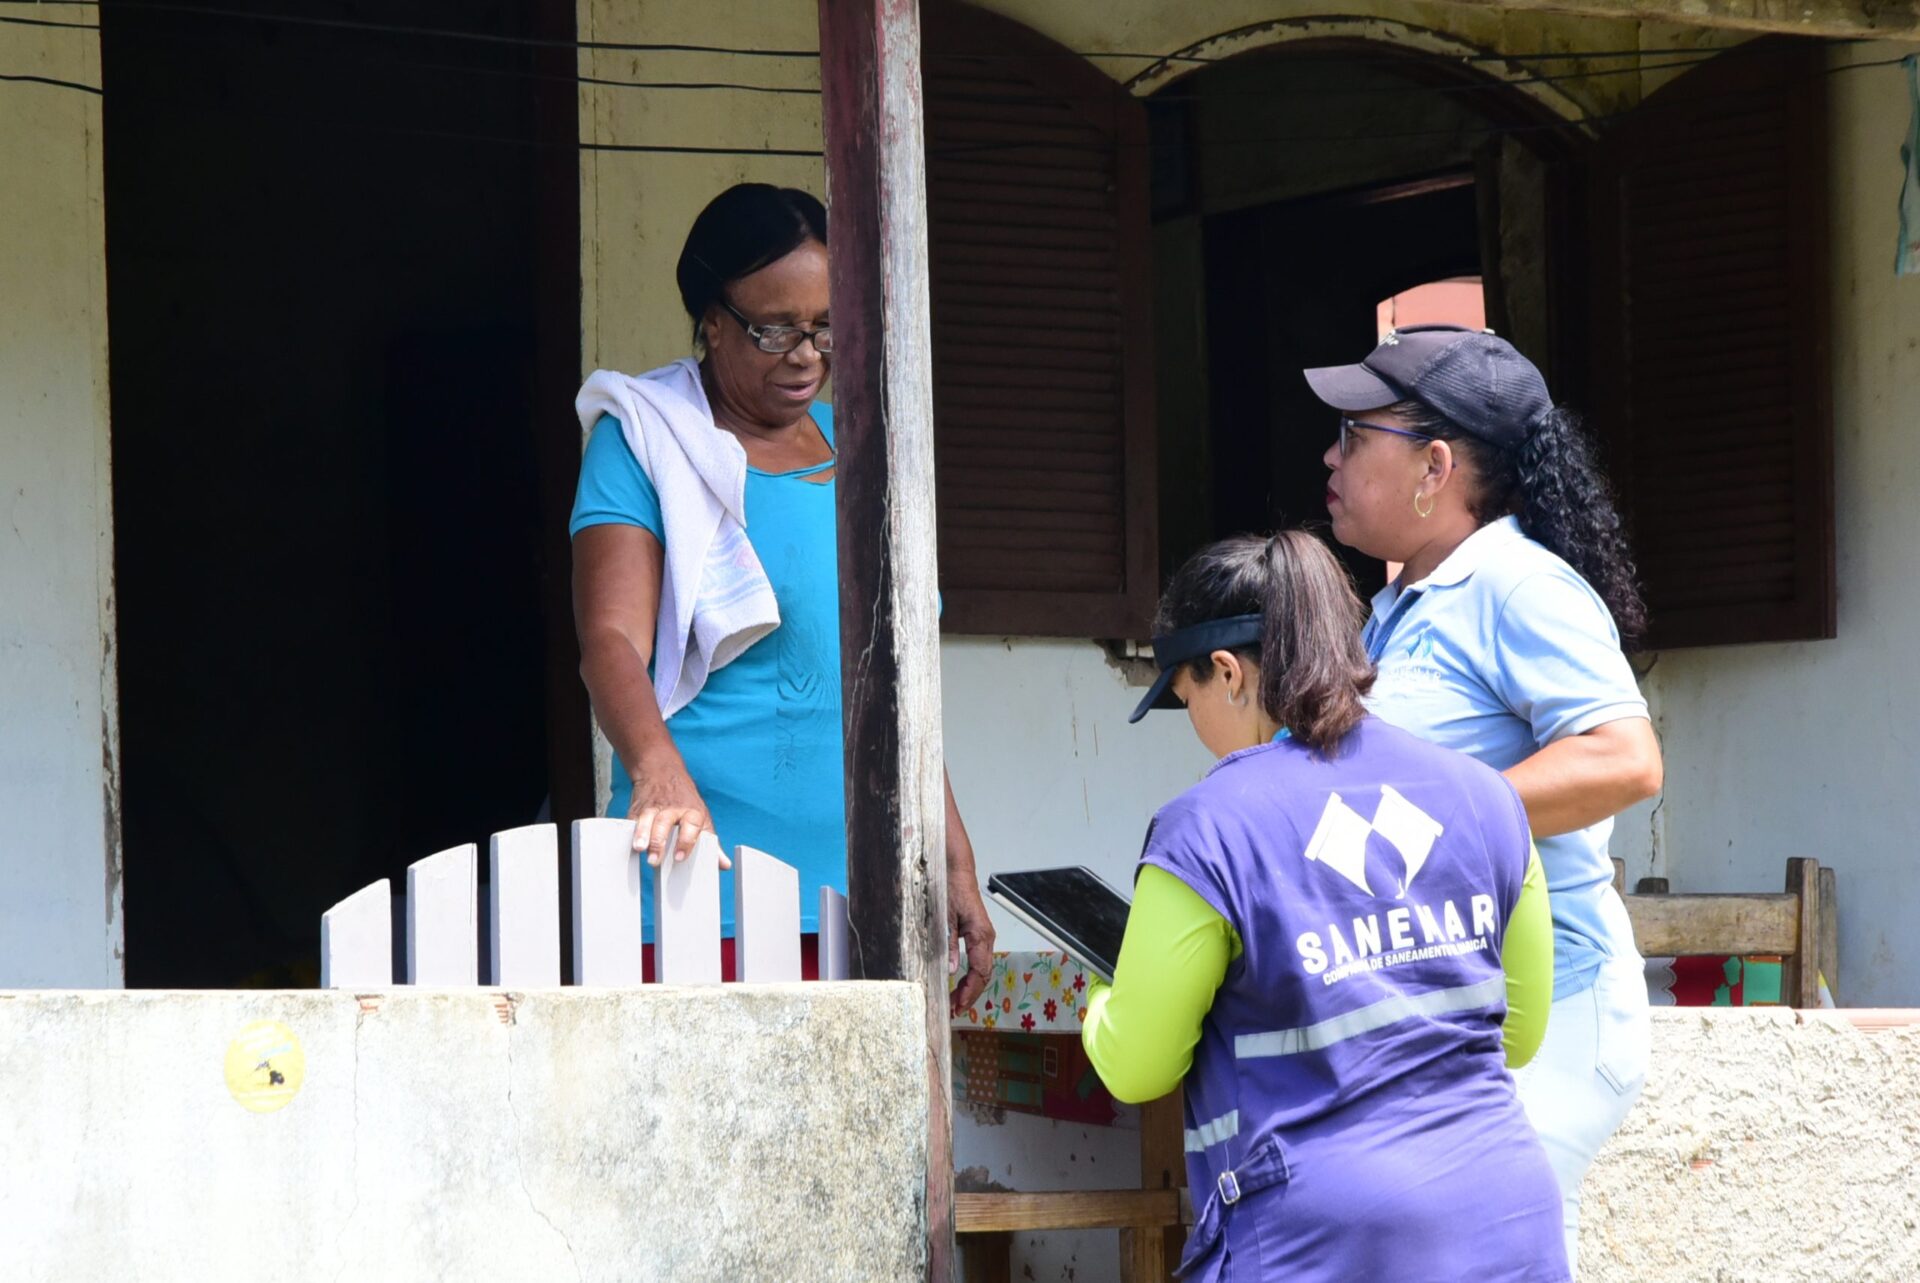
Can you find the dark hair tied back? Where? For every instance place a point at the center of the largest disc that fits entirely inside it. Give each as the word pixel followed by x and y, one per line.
pixel 742 230
pixel 1554 484
pixel 1313 672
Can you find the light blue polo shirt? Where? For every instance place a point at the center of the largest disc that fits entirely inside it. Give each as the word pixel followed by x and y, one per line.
pixel 1499 652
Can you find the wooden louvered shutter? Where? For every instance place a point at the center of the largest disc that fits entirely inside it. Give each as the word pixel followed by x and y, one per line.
pixel 1037 201
pixel 1711 387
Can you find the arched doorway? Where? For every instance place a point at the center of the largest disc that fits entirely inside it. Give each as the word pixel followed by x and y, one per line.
pixel 1300 186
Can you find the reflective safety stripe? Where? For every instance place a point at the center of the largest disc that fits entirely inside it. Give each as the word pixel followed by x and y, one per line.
pixel 1436 1002
pixel 1207 1135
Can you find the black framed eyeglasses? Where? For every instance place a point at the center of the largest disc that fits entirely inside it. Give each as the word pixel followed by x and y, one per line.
pixel 1348 425
pixel 781 339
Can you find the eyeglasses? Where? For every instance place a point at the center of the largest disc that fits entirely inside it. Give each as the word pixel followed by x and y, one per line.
pixel 1348 425
pixel 782 339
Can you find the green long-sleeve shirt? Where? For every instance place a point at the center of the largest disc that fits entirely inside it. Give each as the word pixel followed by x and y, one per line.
pixel 1141 1030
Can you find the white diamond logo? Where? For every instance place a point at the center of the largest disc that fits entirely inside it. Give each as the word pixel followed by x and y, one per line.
pixel 1409 830
pixel 1340 839
pixel 1340 842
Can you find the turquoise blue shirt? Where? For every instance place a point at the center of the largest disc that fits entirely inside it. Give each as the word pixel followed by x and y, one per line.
pixel 1502 650
pixel 762 738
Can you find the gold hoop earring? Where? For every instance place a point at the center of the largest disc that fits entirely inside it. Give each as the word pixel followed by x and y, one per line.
pixel 1423 512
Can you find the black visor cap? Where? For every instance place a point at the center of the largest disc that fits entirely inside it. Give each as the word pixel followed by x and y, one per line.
pixel 1176 648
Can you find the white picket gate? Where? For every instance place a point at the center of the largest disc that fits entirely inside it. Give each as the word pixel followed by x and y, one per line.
pixel 443 924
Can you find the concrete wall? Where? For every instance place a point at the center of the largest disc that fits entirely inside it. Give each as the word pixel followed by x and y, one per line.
pixel 724 1133
pixel 1766 1147
pixel 1810 748
pixel 59 817
pixel 689 1135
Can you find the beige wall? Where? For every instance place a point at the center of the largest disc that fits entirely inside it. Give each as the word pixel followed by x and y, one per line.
pixel 59 822
pixel 1814 748
pixel 1220 28
pixel 636 207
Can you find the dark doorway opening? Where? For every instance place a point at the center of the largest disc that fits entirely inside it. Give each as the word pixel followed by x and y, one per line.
pixel 1297 284
pixel 343 310
pixel 1295 191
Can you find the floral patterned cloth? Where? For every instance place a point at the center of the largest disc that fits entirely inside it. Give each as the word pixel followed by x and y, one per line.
pixel 1042 991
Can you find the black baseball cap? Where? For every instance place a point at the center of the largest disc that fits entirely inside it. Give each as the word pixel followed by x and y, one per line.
pixel 1176 648
pixel 1474 377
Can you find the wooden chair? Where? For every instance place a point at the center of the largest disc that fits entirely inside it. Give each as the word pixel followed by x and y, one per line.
pixel 1151 1220
pixel 1799 926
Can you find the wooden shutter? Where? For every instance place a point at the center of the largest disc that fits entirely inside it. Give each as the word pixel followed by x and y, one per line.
pixel 1712 383
pixel 1037 199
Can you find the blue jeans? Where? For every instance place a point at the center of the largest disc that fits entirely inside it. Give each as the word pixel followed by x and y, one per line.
pixel 1579 1087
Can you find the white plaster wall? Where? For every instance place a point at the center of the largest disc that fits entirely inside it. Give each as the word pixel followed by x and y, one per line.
pixel 1004 1149
pixel 1814 748
pixel 1044 766
pixel 59 827
pixel 1047 771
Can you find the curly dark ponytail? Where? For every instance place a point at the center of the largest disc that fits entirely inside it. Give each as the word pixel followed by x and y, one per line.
pixel 1553 483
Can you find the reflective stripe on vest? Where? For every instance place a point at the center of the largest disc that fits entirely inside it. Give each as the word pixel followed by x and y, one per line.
pixel 1325 1033
pixel 1209 1134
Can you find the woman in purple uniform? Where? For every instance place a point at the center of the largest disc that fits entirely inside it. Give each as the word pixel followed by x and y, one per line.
pixel 1331 935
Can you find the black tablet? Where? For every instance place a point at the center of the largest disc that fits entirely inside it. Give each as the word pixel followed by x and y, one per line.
pixel 1073 908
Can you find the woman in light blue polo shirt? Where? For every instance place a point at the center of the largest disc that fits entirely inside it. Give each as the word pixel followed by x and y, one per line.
pixel 1501 638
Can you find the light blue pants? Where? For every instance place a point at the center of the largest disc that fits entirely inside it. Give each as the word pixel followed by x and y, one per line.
pixel 1584 1079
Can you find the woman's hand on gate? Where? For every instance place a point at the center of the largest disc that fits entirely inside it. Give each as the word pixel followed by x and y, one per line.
pixel 664 798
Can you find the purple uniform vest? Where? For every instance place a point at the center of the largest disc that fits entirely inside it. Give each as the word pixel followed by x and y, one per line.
pixel 1349 1111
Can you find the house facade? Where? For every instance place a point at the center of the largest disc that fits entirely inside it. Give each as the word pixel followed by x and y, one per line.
pixel 233 641
pixel 1185 277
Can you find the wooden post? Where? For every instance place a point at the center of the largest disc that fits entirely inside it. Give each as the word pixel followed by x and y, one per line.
pixel 1829 952
pixel 1163 1165
pixel 889 630
pixel 1799 977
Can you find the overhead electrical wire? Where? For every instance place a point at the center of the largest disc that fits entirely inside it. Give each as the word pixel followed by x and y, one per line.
pixel 545 42
pixel 55 82
pixel 1677 59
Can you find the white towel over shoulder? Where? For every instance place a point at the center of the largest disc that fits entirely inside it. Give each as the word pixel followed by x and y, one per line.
pixel 715 599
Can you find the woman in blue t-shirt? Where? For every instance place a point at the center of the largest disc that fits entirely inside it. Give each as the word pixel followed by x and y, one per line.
pixel 742 738
pixel 1501 638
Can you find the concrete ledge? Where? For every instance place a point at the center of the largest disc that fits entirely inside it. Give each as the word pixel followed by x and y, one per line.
pixel 732 1132
pixel 1770 1145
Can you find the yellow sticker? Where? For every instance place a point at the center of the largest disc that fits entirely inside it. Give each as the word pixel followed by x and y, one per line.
pixel 265 1066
